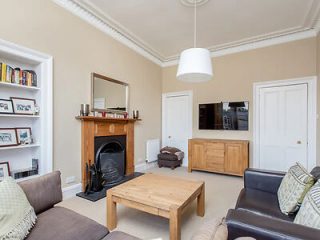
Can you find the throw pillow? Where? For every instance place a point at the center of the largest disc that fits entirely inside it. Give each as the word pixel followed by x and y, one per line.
pixel 294 186
pixel 215 229
pixel 17 216
pixel 309 213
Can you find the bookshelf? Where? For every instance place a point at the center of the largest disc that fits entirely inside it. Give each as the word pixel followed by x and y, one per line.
pixel 20 156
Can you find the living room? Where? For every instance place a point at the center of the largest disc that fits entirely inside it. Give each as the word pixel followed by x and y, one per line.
pixel 138 44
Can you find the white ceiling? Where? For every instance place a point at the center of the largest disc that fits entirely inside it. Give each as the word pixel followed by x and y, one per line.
pixel 164 28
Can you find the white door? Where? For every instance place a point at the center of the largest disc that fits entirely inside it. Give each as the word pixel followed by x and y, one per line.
pixel 283 126
pixel 177 121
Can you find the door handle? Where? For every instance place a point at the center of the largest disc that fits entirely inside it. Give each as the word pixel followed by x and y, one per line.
pixel 299 142
pixel 169 136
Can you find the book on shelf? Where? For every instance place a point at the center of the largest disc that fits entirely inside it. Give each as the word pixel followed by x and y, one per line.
pixel 18 76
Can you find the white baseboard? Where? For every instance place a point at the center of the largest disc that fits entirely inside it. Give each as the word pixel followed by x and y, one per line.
pixel 145 166
pixel 69 192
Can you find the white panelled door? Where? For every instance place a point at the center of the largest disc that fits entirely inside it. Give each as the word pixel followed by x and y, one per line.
pixel 283 126
pixel 177 122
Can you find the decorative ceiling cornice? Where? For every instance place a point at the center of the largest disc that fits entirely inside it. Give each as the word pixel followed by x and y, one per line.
pixel 119 33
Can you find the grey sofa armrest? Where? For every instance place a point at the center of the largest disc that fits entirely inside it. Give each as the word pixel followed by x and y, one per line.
pixel 267 181
pixel 43 192
pixel 244 223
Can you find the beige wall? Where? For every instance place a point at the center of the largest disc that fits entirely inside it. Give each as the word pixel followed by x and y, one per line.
pixel 235 74
pixel 79 49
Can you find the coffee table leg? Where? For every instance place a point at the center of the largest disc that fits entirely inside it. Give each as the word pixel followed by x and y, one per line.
pixel 175 224
pixel 200 203
pixel 111 212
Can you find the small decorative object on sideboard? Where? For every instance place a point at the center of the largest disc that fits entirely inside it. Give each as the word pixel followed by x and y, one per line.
pixel 6 106
pixel 8 137
pixel 24 106
pixel 4 170
pixel 24 135
pixel 135 114
pixel 84 109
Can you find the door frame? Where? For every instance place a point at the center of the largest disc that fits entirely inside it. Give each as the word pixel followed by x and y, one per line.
pixel 189 94
pixel 311 82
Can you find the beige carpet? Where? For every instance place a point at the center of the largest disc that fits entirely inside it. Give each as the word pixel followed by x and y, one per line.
pixel 221 194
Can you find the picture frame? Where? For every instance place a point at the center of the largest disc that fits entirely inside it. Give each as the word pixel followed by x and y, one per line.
pixel 4 170
pixel 23 106
pixel 24 135
pixel 6 106
pixel 8 137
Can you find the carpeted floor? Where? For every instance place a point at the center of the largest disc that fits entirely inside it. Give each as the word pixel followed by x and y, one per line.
pixel 221 194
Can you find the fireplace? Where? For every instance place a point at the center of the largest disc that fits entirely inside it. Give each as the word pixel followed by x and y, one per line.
pixel 110 158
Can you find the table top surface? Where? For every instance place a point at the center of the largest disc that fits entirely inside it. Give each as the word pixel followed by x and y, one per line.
pixel 160 191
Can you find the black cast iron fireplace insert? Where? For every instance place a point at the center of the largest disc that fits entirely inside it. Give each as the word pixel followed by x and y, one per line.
pixel 110 158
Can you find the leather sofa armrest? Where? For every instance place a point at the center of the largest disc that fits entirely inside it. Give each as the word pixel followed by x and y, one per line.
pixel 243 223
pixel 267 181
pixel 43 192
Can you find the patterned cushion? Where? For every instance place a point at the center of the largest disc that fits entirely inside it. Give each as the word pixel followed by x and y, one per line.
pixel 309 213
pixel 294 186
pixel 17 216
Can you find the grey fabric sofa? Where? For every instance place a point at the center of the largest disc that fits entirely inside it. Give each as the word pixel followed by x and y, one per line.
pixel 58 222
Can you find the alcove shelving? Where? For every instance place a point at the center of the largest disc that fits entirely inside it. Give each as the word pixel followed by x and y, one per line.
pixel 20 157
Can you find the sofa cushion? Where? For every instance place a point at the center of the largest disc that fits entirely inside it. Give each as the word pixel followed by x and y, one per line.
pixel 261 202
pixel 309 213
pixel 43 192
pixel 117 235
pixel 215 229
pixel 295 184
pixel 64 224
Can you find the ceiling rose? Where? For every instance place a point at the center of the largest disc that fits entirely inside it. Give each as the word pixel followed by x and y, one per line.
pixel 190 3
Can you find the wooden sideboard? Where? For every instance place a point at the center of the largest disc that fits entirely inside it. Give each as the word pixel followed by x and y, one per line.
pixel 220 156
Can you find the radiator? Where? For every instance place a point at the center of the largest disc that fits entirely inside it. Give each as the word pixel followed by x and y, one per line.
pixel 153 149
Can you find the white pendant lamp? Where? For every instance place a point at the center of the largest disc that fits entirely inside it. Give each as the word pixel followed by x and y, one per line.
pixel 195 63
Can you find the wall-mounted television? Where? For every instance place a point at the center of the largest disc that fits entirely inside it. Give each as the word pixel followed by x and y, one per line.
pixel 224 116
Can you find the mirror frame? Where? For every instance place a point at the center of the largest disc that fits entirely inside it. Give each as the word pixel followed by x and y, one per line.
pixel 96 75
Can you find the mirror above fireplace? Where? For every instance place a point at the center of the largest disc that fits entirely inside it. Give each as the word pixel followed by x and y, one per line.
pixel 108 95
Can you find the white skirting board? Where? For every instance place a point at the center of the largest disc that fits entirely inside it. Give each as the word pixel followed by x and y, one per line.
pixel 71 191
pixel 152 150
pixel 141 167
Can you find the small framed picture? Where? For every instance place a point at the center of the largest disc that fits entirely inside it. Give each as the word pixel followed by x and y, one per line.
pixel 8 137
pixel 23 105
pixel 6 106
pixel 4 170
pixel 24 135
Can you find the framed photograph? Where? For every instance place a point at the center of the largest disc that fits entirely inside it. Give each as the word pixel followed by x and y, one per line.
pixel 24 135
pixel 8 137
pixel 4 170
pixel 23 105
pixel 6 106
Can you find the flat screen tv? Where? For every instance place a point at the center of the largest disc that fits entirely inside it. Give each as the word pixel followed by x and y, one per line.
pixel 224 116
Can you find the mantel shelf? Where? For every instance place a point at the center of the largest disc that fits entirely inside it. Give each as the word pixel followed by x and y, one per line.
pixel 105 119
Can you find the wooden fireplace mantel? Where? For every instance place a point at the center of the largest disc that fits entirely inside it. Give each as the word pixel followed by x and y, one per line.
pixel 92 127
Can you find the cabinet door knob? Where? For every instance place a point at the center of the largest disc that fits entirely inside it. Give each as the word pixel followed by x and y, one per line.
pixel 299 142
pixel 169 136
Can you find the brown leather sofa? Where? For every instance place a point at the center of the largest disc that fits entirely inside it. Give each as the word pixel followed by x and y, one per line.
pixel 59 223
pixel 257 213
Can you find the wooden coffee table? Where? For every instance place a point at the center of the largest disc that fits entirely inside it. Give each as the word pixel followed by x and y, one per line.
pixel 159 195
